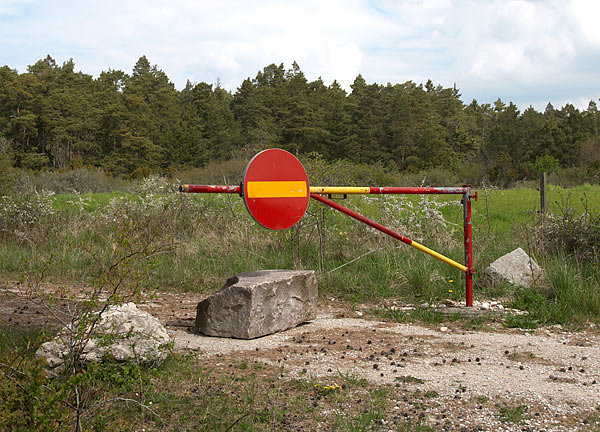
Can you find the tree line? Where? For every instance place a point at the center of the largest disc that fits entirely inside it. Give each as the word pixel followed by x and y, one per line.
pixel 135 124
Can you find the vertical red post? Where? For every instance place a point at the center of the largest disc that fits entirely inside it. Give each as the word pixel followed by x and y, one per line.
pixel 468 228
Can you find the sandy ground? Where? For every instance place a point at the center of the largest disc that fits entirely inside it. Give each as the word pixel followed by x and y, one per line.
pixel 555 373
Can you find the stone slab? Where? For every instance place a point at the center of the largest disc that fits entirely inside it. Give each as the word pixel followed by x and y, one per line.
pixel 256 304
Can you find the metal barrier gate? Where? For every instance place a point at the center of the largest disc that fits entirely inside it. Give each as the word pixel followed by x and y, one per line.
pixel 276 192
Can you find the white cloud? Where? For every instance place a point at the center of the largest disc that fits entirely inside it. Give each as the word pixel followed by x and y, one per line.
pixel 587 12
pixel 521 40
pixel 514 49
pixel 343 64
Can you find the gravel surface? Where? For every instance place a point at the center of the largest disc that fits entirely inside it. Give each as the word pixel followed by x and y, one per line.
pixel 470 375
pixel 556 374
pixel 547 367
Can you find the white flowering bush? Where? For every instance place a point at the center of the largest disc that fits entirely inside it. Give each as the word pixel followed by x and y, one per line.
pixel 419 220
pixel 173 214
pixel 155 184
pixel 27 215
pixel 571 234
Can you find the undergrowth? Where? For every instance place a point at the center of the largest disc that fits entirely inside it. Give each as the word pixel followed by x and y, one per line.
pixel 214 237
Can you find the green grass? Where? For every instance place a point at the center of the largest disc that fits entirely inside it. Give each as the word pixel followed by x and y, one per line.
pixel 15 340
pixel 570 297
pixel 512 413
pixel 214 237
pixel 409 379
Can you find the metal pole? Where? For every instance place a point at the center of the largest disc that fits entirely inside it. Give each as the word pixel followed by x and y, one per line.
pixel 388 231
pixel 468 229
pixel 210 189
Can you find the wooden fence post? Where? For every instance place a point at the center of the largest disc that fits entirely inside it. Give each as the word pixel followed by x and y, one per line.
pixel 543 193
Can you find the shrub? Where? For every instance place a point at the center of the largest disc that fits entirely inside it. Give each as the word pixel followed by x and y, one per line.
pixel 431 177
pixel 346 173
pixel 571 234
pixel 26 216
pixel 28 401
pixel 229 171
pixel 568 177
pixel 547 164
pixel 82 180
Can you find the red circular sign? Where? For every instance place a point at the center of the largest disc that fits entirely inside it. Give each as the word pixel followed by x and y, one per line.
pixel 276 191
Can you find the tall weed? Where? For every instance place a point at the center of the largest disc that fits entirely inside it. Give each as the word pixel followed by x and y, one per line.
pixel 569 296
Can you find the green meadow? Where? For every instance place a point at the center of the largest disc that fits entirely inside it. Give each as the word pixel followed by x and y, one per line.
pixel 211 237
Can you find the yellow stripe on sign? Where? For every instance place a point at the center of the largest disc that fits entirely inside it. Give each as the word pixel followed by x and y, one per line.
pixel 277 189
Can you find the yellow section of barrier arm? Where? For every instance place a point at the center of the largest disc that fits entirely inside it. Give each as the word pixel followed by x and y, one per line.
pixel 341 190
pixel 438 256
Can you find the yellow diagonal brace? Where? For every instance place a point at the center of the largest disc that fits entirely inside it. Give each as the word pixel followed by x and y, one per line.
pixel 438 256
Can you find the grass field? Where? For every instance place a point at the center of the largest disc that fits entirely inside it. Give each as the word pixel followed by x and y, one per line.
pixel 212 237
pixel 201 240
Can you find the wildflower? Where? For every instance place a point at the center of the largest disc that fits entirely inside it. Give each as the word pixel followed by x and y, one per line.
pixel 450 291
pixel 451 281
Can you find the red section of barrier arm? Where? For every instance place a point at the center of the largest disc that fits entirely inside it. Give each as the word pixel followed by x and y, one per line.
pixel 210 189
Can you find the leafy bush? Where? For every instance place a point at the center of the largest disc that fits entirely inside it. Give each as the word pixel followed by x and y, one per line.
pixel 547 164
pixel 571 234
pixel 431 177
pixel 28 401
pixel 82 180
pixel 229 171
pixel 168 214
pixel 568 177
pixel 346 173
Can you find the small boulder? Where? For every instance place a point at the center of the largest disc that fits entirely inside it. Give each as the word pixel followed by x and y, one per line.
pixel 516 268
pixel 256 304
pixel 123 332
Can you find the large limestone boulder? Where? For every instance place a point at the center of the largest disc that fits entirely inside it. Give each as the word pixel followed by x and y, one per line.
pixel 123 332
pixel 259 303
pixel 516 268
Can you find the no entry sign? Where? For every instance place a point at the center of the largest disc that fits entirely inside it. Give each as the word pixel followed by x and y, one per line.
pixel 276 191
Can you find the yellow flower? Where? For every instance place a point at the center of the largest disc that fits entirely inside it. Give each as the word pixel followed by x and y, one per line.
pixel 449 291
pixel 451 281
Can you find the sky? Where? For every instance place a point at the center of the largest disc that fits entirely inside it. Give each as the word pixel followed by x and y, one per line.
pixel 527 52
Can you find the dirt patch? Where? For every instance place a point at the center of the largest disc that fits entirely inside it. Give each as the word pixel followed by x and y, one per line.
pixel 448 379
